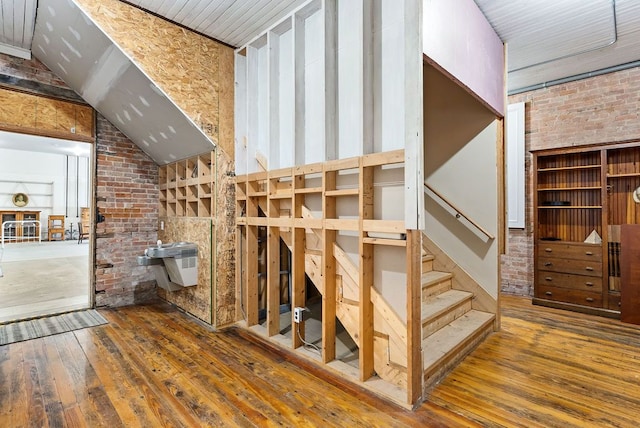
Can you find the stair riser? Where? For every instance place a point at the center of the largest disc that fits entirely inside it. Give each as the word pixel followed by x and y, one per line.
pixel 430 291
pixel 433 375
pixel 427 266
pixel 443 319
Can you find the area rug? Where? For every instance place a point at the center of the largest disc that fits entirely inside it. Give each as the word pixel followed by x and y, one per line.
pixel 47 326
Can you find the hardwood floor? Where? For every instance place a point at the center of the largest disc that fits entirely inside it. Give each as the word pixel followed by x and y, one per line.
pixel 153 366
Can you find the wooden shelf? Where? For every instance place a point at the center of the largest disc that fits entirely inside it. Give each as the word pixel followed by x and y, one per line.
pixel 186 187
pixel 569 168
pixel 559 189
pixel 627 175
pixel 590 179
pixel 571 207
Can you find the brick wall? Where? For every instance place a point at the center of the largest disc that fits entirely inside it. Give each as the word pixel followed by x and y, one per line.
pixel 596 110
pixel 126 194
pixel 29 70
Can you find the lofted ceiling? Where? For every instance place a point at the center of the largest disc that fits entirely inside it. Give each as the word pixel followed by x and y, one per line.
pixel 548 40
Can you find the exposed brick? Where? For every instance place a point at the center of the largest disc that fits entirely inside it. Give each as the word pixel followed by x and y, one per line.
pixel 600 109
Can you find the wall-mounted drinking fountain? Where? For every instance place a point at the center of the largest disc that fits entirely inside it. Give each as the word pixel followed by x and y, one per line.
pixel 174 265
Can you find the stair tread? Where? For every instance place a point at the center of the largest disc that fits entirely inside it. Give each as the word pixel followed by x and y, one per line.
pixel 427 257
pixel 449 338
pixel 442 303
pixel 434 277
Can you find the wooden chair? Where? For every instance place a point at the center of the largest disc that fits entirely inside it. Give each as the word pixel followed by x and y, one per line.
pixel 81 233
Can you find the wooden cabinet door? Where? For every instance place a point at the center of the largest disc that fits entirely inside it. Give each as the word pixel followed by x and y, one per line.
pixel 630 273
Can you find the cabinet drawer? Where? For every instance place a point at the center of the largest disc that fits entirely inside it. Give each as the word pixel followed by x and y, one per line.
pixel 579 267
pixel 570 251
pixel 577 297
pixel 565 280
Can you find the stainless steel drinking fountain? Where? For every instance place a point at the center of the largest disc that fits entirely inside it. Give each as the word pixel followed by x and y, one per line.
pixel 174 265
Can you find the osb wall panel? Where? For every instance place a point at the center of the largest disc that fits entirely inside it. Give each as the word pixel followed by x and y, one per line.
pixel 196 300
pixel 225 229
pixel 196 72
pixel 35 114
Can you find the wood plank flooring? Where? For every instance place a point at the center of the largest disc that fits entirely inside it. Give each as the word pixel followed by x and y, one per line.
pixel 153 366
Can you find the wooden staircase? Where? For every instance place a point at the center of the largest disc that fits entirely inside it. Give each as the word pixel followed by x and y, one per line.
pixel 451 328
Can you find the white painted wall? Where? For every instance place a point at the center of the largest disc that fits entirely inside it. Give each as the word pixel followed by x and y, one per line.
pixel 460 164
pixel 43 177
pixel 458 38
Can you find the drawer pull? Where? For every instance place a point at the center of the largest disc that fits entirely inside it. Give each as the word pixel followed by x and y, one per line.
pixel 548 278
pixel 547 263
pixel 589 253
pixel 589 299
pixel 548 293
pixel 589 284
pixel 589 268
pixel 548 250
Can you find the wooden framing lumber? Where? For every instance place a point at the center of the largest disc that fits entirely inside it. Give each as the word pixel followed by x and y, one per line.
pixel 328 273
pixel 365 329
pixel 273 265
pixel 414 316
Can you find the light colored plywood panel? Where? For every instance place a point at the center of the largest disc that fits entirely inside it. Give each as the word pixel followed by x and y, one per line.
pixel 17 109
pixel 225 241
pixel 184 64
pixel 195 300
pixel 65 116
pixel 46 115
pixel 226 101
pixel 33 114
pixel 84 120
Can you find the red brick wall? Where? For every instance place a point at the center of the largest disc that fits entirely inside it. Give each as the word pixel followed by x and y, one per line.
pixel 596 110
pixel 126 195
pixel 32 70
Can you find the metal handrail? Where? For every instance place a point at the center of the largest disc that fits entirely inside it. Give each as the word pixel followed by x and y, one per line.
pixel 22 224
pixel 458 213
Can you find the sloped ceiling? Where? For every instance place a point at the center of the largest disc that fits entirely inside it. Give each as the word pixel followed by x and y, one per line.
pixel 72 46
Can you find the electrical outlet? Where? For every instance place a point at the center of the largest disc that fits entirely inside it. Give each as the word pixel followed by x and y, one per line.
pixel 298 314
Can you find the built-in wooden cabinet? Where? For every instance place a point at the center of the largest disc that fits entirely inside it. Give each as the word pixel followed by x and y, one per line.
pixel 582 197
pixel 187 187
pixel 20 226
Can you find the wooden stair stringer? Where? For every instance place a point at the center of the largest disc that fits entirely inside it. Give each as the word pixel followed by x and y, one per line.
pixel 390 336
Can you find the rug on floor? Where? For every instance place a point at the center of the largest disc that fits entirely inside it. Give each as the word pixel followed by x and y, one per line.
pixel 47 326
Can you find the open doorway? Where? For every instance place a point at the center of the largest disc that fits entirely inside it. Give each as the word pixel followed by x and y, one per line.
pixel 45 211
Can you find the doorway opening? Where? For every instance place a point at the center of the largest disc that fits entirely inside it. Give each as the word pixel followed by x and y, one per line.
pixel 46 196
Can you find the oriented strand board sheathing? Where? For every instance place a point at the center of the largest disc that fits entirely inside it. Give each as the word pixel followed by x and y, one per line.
pixel 227 87
pixel 46 116
pixel 84 120
pixel 195 300
pixel 225 233
pixel 17 109
pixel 184 64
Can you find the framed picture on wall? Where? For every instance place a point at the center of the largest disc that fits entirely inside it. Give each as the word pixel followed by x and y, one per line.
pixel 20 199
